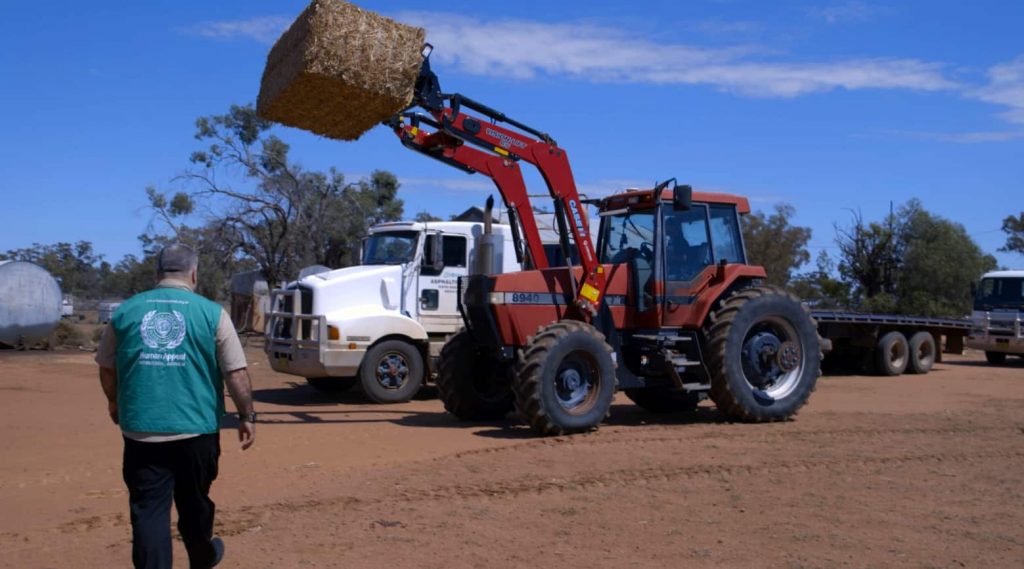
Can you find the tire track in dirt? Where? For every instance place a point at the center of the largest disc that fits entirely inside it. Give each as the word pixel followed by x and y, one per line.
pixel 233 522
pixel 619 438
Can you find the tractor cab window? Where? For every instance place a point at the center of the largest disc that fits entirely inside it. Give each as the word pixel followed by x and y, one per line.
pixel 725 234
pixel 390 248
pixel 628 236
pixel 687 244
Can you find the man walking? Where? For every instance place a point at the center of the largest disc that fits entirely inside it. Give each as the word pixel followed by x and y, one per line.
pixel 164 360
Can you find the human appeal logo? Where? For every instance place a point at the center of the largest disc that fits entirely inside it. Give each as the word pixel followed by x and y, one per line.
pixel 163 330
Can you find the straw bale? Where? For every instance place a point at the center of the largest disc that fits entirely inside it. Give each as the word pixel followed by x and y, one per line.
pixel 339 70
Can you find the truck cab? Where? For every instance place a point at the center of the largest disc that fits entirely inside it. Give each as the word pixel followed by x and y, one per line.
pixel 997 317
pixel 382 323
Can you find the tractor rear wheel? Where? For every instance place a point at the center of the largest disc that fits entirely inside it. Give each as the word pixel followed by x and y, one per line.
pixel 472 384
pixel 764 355
pixel 565 378
pixel 664 399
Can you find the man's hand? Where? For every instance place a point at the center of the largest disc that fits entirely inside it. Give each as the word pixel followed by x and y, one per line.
pixel 112 410
pixel 246 434
pixel 240 388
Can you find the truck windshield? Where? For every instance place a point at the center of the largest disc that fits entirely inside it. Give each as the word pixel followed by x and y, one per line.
pixel 1005 292
pixel 391 248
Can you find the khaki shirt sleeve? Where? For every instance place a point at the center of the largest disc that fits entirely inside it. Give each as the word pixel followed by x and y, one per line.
pixel 230 355
pixel 106 353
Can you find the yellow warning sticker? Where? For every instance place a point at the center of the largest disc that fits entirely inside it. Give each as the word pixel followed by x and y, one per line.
pixel 588 292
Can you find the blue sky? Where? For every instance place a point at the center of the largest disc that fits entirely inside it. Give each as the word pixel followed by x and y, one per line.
pixel 830 106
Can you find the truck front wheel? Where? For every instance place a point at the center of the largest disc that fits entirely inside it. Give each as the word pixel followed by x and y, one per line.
pixel 764 355
pixel 391 372
pixel 472 383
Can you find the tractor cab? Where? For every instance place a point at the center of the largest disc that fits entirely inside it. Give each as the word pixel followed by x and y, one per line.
pixel 675 244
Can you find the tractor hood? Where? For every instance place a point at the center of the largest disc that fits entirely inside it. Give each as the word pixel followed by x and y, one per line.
pixel 357 289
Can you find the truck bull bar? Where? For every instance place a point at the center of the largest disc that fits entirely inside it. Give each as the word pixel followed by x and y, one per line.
pixel 290 331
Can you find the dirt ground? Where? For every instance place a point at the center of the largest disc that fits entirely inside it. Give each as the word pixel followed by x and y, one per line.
pixel 923 471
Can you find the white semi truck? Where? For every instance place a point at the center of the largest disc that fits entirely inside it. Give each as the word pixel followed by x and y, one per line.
pixel 998 316
pixel 381 324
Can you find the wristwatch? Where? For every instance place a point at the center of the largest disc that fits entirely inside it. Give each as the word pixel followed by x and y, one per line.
pixel 248 418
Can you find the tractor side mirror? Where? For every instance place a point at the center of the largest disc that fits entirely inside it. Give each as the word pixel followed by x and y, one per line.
pixel 682 197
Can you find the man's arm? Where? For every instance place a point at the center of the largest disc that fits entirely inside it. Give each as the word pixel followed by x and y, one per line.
pixel 231 359
pixel 106 357
pixel 240 389
pixel 108 380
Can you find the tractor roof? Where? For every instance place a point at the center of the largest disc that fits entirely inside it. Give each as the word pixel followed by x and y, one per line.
pixel 645 198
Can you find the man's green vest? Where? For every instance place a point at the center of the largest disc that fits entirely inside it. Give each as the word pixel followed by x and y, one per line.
pixel 168 379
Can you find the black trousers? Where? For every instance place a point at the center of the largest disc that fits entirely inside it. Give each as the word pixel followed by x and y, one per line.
pixel 157 472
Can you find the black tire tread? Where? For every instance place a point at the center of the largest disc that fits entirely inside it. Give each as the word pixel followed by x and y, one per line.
pixel 716 333
pixel 529 364
pixel 453 356
pixel 913 364
pixel 882 356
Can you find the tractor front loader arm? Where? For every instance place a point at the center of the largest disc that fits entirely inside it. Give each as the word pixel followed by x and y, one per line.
pixel 494 147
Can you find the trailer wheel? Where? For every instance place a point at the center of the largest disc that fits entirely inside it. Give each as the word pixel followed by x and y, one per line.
pixel 892 354
pixel 331 384
pixel 391 372
pixel 996 358
pixel 764 355
pixel 473 385
pixel 664 399
pixel 565 378
pixel 922 353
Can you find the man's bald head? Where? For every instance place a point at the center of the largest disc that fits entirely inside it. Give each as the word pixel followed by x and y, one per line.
pixel 178 262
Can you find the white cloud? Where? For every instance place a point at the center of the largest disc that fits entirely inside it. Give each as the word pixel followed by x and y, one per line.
pixel 852 11
pixel 977 137
pixel 523 49
pixel 264 29
pixel 463 184
pixel 1005 87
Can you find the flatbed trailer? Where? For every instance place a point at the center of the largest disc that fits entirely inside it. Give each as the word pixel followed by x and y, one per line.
pixel 888 344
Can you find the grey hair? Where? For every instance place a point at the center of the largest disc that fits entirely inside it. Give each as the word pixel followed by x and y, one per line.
pixel 176 259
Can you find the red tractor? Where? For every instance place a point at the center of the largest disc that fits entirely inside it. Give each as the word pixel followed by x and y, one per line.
pixel 666 308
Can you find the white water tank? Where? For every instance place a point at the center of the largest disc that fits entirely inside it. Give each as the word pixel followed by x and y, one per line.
pixel 30 301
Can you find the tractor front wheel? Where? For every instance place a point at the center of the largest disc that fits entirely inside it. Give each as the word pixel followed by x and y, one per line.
pixel 764 355
pixel 565 378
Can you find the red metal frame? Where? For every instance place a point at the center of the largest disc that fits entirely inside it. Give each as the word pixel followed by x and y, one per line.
pixel 503 147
